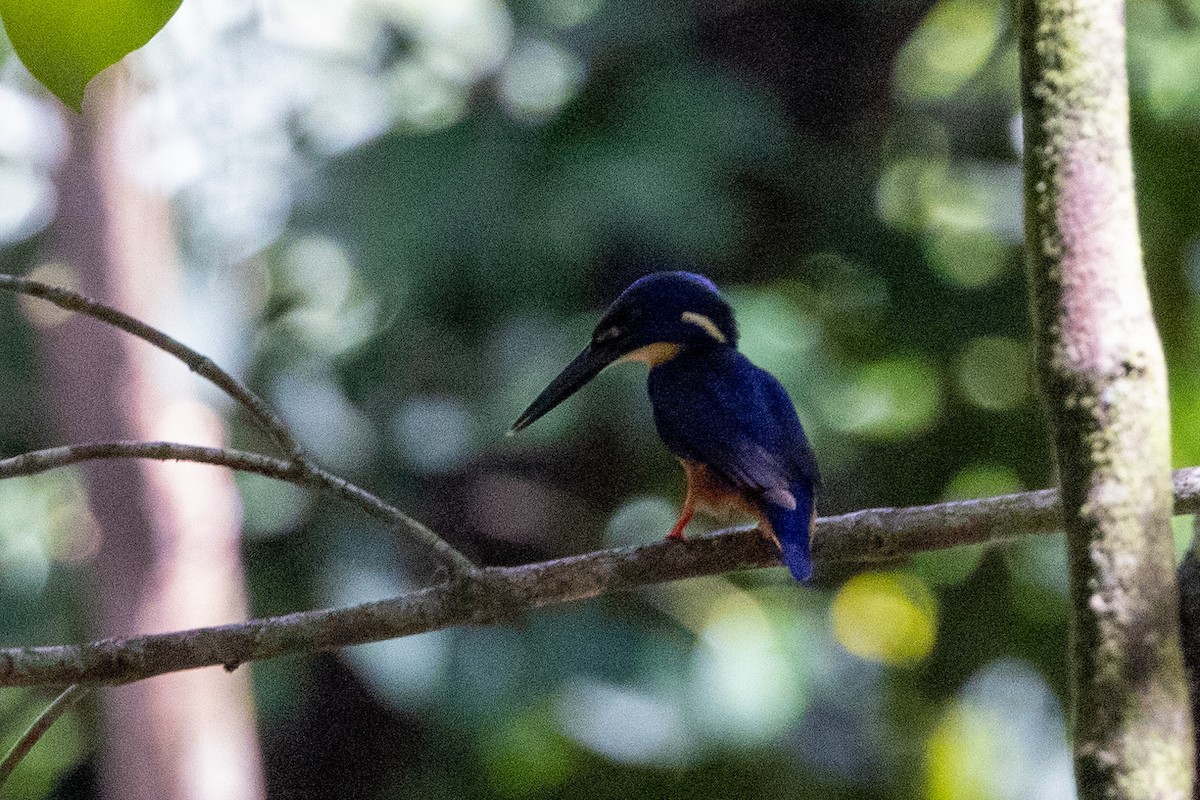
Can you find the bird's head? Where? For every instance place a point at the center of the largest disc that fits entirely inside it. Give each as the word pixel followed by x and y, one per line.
pixel 652 321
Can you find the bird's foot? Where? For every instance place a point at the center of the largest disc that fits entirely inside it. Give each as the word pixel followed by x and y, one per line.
pixel 676 534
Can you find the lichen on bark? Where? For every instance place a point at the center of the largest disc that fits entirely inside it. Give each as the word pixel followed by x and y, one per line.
pixel 1103 381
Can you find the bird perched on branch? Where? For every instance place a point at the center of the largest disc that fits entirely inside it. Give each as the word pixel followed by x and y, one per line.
pixel 730 423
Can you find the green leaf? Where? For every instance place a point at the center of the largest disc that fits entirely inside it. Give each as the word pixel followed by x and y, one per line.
pixel 66 43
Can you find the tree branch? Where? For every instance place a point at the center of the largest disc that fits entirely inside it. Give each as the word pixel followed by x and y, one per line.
pixel 1103 379
pixel 495 595
pixel 61 705
pixel 197 362
pixel 299 472
pixel 298 468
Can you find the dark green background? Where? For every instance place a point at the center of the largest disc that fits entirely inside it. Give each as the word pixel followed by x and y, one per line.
pixel 846 171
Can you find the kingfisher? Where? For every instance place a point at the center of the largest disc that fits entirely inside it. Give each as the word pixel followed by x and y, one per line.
pixel 731 424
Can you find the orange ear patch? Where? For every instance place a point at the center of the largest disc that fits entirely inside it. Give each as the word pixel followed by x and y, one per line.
pixel 654 354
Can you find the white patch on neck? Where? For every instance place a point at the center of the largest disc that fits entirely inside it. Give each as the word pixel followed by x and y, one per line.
pixel 705 323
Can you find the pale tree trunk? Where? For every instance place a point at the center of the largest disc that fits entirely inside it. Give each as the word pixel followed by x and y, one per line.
pixel 1103 381
pixel 169 555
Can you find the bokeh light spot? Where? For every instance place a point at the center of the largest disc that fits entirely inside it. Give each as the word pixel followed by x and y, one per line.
pixel 316 24
pixel 565 14
pixel 954 41
pixel 890 399
pixel 30 128
pixel 331 309
pixel 1163 60
pixel 993 373
pixel 461 40
pixel 352 110
pixel 952 566
pixel 775 334
pixel 45 519
pixel 1040 562
pixel 969 258
pixel 406 672
pixel 947 567
pixel 968 198
pixel 626 725
pixel 749 687
pixel 538 79
pixel 528 757
pixel 424 100
pixel 1004 739
pixel 640 520
pixel 269 507
pixel 961 757
pixel 29 202
pixel 903 187
pixel 529 352
pixel 324 419
pixel 984 479
pixel 885 617
pixel 433 433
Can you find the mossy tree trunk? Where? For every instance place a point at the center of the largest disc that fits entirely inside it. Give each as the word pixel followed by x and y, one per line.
pixel 1103 381
pixel 1189 619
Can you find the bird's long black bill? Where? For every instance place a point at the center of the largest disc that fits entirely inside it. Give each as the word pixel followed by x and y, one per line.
pixel 586 366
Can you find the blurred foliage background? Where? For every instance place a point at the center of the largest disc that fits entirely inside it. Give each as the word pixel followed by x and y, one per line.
pixel 401 217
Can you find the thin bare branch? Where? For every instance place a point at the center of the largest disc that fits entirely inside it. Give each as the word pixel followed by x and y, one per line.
pixel 299 472
pixel 198 363
pixel 54 457
pixel 62 704
pixel 298 468
pixel 496 595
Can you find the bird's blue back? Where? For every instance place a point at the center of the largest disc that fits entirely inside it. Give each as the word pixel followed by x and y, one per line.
pixel 714 407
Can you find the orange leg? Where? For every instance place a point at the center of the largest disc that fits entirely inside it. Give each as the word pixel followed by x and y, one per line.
pixel 766 530
pixel 685 516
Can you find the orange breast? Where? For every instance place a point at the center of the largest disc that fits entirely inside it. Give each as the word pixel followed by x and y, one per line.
pixel 718 498
pixel 714 495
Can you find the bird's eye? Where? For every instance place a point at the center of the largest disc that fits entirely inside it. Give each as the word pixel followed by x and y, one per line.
pixel 600 337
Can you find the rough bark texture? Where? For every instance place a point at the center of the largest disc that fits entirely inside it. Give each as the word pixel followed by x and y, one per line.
pixel 1189 619
pixel 1103 380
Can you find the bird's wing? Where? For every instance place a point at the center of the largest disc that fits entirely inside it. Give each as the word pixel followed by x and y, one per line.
pixel 741 424
pixel 800 460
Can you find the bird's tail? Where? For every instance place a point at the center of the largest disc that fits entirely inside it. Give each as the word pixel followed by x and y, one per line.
pixel 793 530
